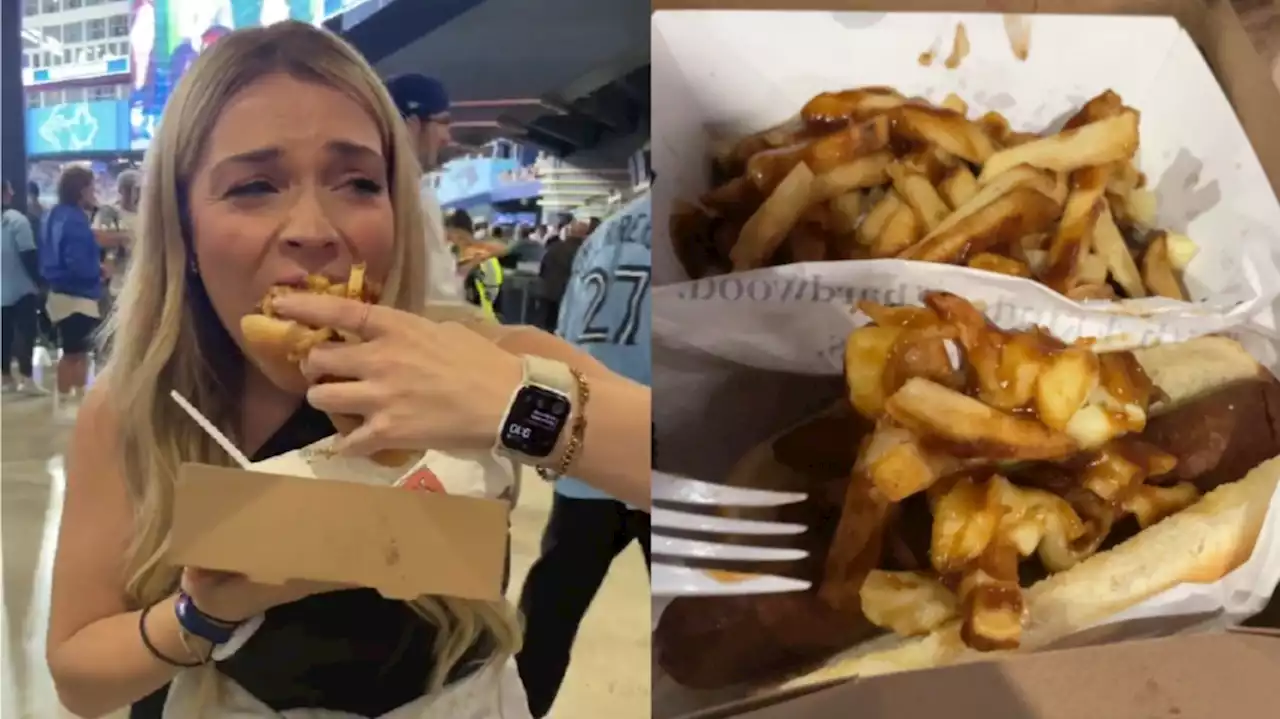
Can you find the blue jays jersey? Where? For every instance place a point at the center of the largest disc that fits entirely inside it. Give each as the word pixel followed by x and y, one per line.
pixel 606 306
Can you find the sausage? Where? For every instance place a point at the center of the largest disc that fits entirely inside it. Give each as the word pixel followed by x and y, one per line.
pixel 1220 437
pixel 714 642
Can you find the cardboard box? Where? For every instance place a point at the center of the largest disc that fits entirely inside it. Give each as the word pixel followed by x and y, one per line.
pixel 1183 677
pixel 1214 25
pixel 274 527
pixel 1172 677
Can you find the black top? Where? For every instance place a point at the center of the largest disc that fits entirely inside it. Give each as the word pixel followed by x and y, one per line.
pixel 557 266
pixel 351 651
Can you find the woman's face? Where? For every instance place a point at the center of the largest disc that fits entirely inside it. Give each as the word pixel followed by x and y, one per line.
pixel 293 182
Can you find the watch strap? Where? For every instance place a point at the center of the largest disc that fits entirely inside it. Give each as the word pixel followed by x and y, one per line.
pixel 198 624
pixel 549 373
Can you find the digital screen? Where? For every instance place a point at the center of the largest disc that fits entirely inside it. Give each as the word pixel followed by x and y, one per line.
pixel 74 71
pixel 166 36
pixel 100 126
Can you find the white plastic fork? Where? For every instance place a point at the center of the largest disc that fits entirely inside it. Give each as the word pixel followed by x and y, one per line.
pixel 670 580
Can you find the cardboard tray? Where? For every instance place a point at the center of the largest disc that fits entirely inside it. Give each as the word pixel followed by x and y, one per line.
pixel 1214 25
pixel 1203 676
pixel 274 528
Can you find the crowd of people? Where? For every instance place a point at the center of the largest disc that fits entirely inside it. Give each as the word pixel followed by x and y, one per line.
pixel 263 191
pixel 62 266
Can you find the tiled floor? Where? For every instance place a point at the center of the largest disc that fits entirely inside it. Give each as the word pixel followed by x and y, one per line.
pixel 609 675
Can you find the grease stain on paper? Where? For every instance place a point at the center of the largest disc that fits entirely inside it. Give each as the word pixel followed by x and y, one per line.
pixel 959 48
pixel 1018 29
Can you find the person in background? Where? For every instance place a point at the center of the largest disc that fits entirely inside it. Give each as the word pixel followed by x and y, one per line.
pixel 424 107
pixel 71 262
pixel 114 228
pixel 35 213
pixel 606 313
pixel 21 295
pixel 35 210
pixel 557 263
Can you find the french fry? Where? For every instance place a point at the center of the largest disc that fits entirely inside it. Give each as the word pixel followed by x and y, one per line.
pixel 862 173
pixel 992 262
pixel 866 355
pixel 838 108
pixel 1073 240
pixel 965 524
pixel 1065 384
pixel 900 232
pixel 878 217
pixel 995 125
pixel 1109 244
pixel 1140 208
pixel 1157 272
pixel 1098 143
pixel 733 198
pixel 920 196
pixel 770 224
pixel 1021 212
pixel 969 427
pixel 1107 104
pixel 823 154
pixel 949 130
pixel 846 210
pixel 1021 176
pixel 1124 179
pixel 899 466
pixel 958 187
pixel 1092 269
pixel 992 600
pixel 1084 292
pixel 734 158
pixel 953 103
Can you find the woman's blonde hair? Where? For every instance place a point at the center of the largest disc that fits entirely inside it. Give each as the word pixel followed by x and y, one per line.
pixel 165 336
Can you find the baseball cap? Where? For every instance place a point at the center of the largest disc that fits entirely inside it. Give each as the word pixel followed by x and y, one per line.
pixel 418 95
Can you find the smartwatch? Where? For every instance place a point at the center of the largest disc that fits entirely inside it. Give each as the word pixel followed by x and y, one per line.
pixel 539 411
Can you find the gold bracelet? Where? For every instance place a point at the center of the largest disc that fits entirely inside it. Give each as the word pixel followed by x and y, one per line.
pixel 577 433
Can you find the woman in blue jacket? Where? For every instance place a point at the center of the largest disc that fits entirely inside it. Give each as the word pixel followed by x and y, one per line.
pixel 71 262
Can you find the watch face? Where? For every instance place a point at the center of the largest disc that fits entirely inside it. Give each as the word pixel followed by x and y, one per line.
pixel 536 419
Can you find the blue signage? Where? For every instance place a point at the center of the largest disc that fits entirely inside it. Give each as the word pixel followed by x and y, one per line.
pixel 100 126
pixel 472 181
pixel 75 71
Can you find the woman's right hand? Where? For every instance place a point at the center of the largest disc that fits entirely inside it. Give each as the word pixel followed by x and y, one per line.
pixel 235 598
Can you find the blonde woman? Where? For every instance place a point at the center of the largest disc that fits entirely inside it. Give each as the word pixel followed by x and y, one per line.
pixel 281 155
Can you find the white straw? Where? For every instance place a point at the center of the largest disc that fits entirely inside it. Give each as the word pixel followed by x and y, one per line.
pixel 210 430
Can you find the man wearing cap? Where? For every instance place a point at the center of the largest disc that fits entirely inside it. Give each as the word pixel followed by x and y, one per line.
pixel 424 107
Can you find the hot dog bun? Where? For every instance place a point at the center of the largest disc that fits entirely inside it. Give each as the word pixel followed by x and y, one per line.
pixel 278 346
pixel 1220 417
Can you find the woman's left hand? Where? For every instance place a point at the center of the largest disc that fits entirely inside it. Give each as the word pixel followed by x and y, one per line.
pixel 418 384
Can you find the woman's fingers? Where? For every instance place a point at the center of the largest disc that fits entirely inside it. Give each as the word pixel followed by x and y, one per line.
pixel 344 397
pixel 342 360
pixel 363 441
pixel 339 313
